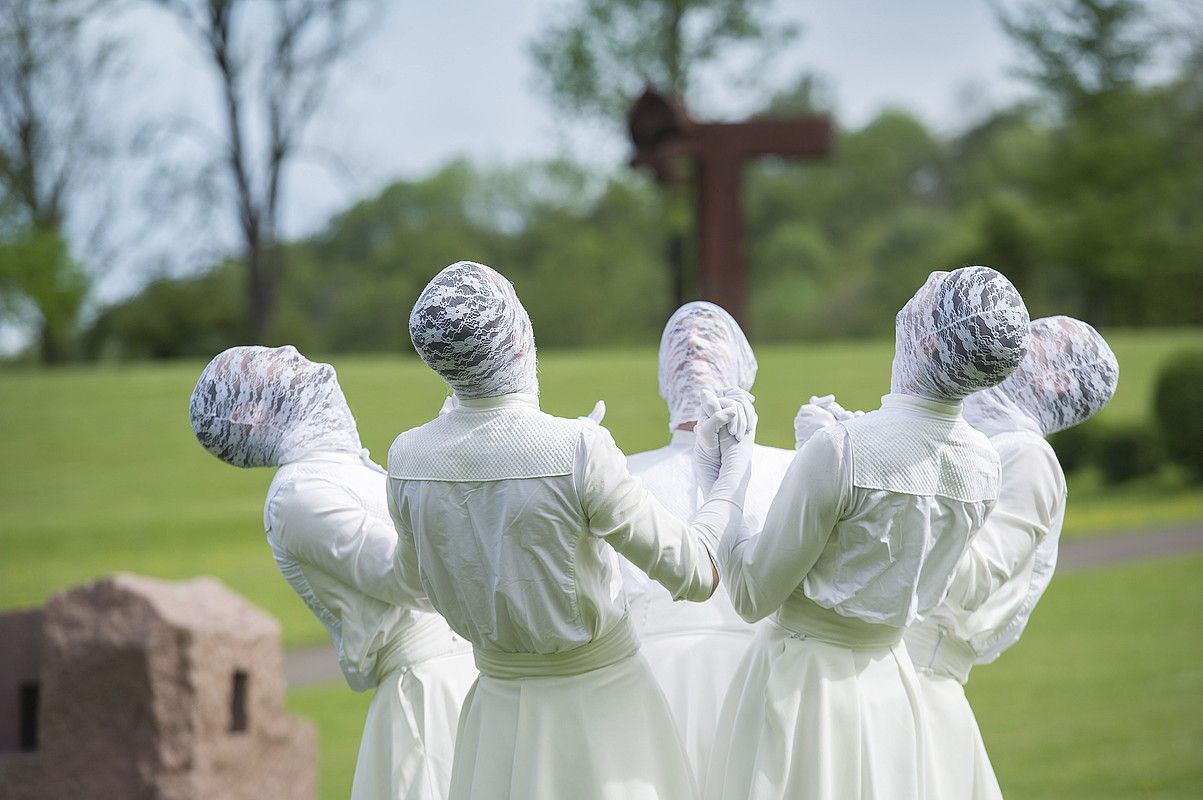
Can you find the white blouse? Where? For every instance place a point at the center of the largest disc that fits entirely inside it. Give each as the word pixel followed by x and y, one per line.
pixel 1007 568
pixel 668 474
pixel 329 529
pixel 514 520
pixel 872 516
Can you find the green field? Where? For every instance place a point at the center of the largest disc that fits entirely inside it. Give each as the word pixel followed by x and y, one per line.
pixel 1102 698
pixel 99 471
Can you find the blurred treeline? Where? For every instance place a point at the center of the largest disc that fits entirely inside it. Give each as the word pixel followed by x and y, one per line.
pixel 1101 221
pixel 1087 196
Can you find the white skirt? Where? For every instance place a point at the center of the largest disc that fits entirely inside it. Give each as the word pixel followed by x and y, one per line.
pixel 958 767
pixel 694 669
pixel 808 720
pixel 409 735
pixel 606 734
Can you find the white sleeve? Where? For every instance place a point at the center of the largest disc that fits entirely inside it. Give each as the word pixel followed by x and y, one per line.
pixel 407 550
pixel 620 509
pixel 1031 493
pixel 320 523
pixel 761 571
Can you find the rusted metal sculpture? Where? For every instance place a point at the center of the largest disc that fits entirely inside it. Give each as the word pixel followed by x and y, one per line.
pixel 663 134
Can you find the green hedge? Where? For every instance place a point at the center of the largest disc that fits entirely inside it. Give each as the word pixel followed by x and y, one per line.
pixel 1178 407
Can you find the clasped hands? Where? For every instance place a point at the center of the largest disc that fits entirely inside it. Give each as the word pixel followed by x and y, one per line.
pixel 723 440
pixel 816 414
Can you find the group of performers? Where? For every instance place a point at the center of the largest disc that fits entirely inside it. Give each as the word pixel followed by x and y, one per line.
pixel 542 617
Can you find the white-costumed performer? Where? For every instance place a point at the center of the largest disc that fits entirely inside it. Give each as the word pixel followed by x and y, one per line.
pixel 695 648
pixel 514 520
pixel 328 526
pixel 1068 375
pixel 862 540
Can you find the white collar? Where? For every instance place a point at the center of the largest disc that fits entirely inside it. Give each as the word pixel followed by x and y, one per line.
pixel 514 400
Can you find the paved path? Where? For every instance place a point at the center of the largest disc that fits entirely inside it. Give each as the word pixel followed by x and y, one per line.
pixel 315 665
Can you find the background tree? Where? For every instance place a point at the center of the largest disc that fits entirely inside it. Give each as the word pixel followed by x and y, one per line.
pixel 53 70
pixel 600 54
pixel 272 61
pixel 1106 186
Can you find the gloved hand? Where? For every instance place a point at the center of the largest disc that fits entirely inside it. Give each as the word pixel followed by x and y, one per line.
pixel 707 454
pixel 451 403
pixel 597 414
pixel 809 419
pixel 726 429
pixel 722 466
pixel 841 414
pixel 745 420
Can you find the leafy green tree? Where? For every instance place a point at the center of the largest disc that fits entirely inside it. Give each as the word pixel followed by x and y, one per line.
pixel 193 317
pixel 51 72
pixel 1105 189
pixel 597 55
pixel 43 286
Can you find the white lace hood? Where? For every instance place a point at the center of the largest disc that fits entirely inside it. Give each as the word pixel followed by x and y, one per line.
pixel 1068 376
pixel 266 406
pixel 469 326
pixel 963 331
pixel 702 347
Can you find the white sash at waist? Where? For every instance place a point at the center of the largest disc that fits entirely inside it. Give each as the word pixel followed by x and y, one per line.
pixel 937 650
pixel 807 618
pixel 429 638
pixel 616 645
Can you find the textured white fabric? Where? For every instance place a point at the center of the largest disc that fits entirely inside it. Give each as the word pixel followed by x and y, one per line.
pixel 925 448
pixel 958 767
pixel 816 414
pixel 328 526
pixel 1067 376
pixel 469 326
pixel 702 347
pixel 604 735
pixel 474 444
pixel 809 720
pixel 882 553
pixel 963 331
pixel 263 406
pixel 694 649
pixel 529 565
pixel 1007 568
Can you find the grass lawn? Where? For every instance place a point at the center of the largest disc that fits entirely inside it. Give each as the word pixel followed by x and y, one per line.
pixel 1102 698
pixel 99 471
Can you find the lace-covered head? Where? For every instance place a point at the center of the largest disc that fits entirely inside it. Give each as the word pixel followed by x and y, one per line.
pixel 469 326
pixel 963 331
pixel 1067 377
pixel 702 347
pixel 264 406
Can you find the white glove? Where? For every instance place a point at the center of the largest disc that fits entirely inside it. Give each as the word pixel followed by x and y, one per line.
pixel 723 467
pixel 597 414
pixel 745 421
pixel 841 414
pixel 450 404
pixel 723 422
pixel 707 454
pixel 809 419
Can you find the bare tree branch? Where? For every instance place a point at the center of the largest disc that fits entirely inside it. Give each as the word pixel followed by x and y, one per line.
pixel 273 63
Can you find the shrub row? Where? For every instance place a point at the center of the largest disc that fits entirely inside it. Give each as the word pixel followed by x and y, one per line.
pixel 1125 452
